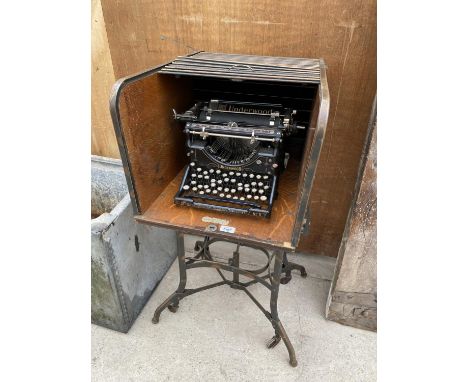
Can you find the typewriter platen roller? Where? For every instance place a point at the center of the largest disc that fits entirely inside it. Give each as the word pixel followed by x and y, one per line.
pixel 236 155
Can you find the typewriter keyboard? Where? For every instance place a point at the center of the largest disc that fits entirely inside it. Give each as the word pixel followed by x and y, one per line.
pixel 227 185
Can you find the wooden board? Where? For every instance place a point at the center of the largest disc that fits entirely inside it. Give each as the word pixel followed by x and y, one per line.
pixel 145 34
pixel 152 136
pixel 103 140
pixel 273 232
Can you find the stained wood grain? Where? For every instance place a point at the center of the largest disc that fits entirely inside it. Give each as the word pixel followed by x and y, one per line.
pixel 144 34
pixel 273 232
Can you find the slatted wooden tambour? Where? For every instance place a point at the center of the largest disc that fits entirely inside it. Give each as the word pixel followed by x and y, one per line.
pixel 153 152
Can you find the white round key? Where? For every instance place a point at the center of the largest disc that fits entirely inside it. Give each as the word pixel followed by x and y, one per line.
pixel 249 196
pixel 263 198
pixel 218 171
pixel 240 184
pixel 205 172
pixel 221 194
pixel 228 196
pixel 254 190
pixel 241 198
pixel 193 182
pixel 244 175
pixel 253 183
pixel 211 171
pixel 200 176
pixel 219 181
pixel 220 189
pixel 239 188
pixel 192 164
pixel 235 197
pixel 265 177
pixel 202 192
pixel 223 175
pixel 256 197
pixel 213 180
pixel 198 169
pixel 226 180
pixel 260 184
pixel 251 176
pixel 266 187
pixel 238 174
pixel 186 187
pixel 213 185
pixel 205 186
pixel 261 192
pixel 247 189
pixel 215 192
pixel 259 177
pixel 208 191
pixel 233 190
pixel 193 175
pixel 200 186
pixel 194 189
pixel 233 180
pixel 226 189
pixel 206 177
pixel 231 173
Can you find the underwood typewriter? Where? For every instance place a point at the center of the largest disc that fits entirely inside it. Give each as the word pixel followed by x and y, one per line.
pixel 236 155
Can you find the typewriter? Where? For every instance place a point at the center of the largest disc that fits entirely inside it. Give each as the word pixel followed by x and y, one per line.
pixel 236 152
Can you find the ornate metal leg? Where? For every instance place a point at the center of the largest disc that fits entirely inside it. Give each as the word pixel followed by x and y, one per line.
pixel 172 302
pixel 288 267
pixel 280 333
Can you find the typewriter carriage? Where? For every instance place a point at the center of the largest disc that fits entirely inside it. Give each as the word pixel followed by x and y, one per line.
pixel 153 151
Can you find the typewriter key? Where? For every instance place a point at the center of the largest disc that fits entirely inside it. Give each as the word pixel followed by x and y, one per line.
pixel 251 176
pixel 259 176
pixel 211 171
pixel 265 176
pixel 233 180
pixel 201 192
pixel 239 188
pixel 226 189
pixel 235 197
pixel 249 196
pixel 238 174
pixel 263 198
pixel 220 189
pixel 200 186
pixel 221 194
pixel 231 173
pixel 233 190
pixel 253 183
pixel 219 181
pixel 186 187
pixel 240 184
pixel 260 184
pixel 198 169
pixel 256 197
pixel 261 192
pixel 194 189
pixel 205 186
pixel 200 176
pixel 206 177
pixel 226 180
pixel 241 198
pixel 254 190
pixel 228 196
pixel 193 182
pixel 244 175
pixel 192 164
pixel 208 191
pixel 218 172
pixel 205 172
pixel 215 192
pixel 194 175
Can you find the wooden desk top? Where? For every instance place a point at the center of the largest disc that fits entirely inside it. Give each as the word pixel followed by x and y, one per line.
pixel 275 232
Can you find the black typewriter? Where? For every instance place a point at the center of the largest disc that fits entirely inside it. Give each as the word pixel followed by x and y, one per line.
pixel 236 155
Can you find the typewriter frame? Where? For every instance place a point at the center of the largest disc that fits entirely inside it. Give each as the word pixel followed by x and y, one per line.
pixel 141 109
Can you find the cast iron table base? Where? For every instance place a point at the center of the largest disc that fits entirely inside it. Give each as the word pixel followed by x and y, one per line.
pixel 271 280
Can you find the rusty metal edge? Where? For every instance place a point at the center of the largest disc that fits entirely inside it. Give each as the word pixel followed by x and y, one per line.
pixel 309 176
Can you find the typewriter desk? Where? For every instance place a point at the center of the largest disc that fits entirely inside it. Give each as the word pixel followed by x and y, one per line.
pixel 152 150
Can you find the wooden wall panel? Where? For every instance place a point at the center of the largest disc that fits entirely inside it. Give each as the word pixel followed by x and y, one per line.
pixel 143 34
pixel 103 140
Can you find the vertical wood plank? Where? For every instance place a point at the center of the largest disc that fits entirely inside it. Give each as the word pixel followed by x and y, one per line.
pixel 103 140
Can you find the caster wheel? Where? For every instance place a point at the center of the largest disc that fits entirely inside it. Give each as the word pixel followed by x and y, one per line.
pixel 173 308
pixel 273 342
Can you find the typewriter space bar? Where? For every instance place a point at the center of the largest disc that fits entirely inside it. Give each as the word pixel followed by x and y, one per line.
pixel 252 206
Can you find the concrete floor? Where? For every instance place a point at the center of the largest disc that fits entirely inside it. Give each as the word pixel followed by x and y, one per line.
pixel 220 335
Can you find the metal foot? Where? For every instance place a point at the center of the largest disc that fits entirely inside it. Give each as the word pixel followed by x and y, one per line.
pixel 275 340
pixel 170 303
